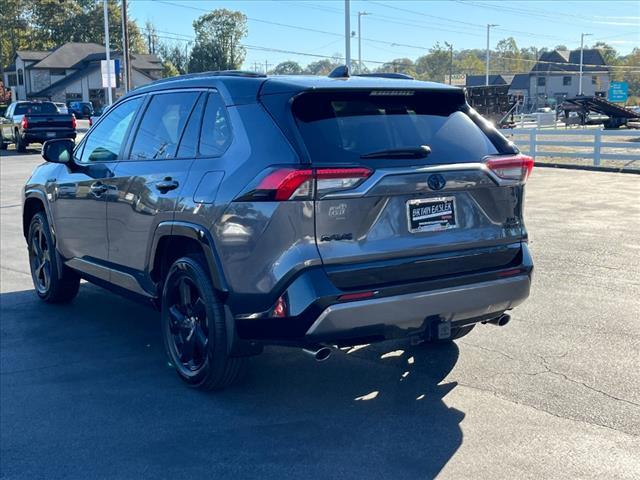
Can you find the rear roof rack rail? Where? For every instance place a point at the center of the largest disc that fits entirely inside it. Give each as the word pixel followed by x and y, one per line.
pixel 215 73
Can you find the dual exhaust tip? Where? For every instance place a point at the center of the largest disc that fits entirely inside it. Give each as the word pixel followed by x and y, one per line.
pixel 320 353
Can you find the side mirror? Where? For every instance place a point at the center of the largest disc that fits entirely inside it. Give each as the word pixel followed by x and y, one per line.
pixel 59 150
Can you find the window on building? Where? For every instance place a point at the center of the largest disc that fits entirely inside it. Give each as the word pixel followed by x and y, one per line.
pixel 162 125
pixel 58 71
pixel 215 135
pixel 542 81
pixel 13 80
pixel 20 77
pixel 594 80
pixel 566 81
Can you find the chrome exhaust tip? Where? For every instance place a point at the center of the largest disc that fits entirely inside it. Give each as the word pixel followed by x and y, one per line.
pixel 320 354
pixel 500 321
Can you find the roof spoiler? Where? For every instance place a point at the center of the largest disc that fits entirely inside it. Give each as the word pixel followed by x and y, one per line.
pixel 342 71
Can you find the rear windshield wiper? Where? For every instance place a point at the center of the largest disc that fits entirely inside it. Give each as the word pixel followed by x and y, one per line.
pixel 412 152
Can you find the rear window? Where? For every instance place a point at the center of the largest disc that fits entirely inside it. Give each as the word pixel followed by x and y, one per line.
pixel 35 108
pixel 340 126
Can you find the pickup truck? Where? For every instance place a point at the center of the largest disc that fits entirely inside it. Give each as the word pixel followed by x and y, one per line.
pixel 34 122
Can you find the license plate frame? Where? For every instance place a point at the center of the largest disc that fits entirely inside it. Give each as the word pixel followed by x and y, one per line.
pixel 444 217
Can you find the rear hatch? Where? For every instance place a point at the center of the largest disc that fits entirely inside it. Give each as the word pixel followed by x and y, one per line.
pixel 404 190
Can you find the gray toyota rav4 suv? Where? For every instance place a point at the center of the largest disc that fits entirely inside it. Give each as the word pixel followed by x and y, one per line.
pixel 311 212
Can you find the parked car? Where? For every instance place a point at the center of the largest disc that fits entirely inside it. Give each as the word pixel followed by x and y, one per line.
pixel 62 107
pixel 81 109
pixel 34 122
pixel 304 211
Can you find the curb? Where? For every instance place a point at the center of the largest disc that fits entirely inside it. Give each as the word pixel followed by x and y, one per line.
pixel 591 168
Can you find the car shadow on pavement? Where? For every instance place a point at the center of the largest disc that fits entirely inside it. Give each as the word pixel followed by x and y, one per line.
pixel 96 370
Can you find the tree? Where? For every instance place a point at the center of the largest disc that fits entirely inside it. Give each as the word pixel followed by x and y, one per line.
pixel 320 67
pixel 508 56
pixel 399 65
pixel 218 37
pixel 435 65
pixel 173 54
pixel 169 69
pixel 287 68
pixel 609 54
pixel 468 63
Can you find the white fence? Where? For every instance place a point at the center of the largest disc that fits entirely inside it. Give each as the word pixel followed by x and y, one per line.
pixel 598 146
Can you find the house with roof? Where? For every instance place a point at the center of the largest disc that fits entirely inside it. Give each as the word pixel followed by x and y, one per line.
pixel 556 76
pixel 72 72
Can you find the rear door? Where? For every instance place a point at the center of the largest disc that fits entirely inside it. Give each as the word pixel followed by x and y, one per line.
pixel 151 176
pixel 441 208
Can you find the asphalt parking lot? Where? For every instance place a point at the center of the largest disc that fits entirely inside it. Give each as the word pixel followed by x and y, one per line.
pixel 86 391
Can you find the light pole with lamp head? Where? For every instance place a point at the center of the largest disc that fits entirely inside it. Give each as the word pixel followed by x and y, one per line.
pixel 360 15
pixel 489 25
pixel 582 35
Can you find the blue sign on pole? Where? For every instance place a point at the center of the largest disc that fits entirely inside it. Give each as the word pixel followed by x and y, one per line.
pixel 117 63
pixel 618 92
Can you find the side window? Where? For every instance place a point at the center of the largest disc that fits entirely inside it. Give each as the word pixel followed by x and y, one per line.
pixel 215 135
pixel 189 144
pixel 105 140
pixel 162 125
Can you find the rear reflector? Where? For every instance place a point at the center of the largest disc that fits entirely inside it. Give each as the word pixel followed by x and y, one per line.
pixel 510 273
pixel 24 123
pixel 73 121
pixel 512 167
pixel 356 296
pixel 282 184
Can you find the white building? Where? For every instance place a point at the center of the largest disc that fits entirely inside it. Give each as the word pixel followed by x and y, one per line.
pixel 72 72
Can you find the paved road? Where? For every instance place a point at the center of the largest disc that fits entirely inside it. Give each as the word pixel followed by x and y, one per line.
pixel 86 391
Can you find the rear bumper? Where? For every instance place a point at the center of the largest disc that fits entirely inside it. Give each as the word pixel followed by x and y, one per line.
pixel 318 313
pixel 412 312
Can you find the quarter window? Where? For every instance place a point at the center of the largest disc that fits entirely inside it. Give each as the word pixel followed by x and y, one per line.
pixel 215 135
pixel 105 140
pixel 162 125
pixel 189 143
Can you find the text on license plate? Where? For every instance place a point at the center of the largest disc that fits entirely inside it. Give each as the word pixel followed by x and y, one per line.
pixel 431 214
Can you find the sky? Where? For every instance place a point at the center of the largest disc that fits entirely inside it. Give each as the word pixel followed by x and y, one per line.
pixel 305 31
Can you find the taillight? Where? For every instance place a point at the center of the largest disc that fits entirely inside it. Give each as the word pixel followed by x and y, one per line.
pixel 282 184
pixel 24 123
pixel 332 179
pixel 73 121
pixel 513 167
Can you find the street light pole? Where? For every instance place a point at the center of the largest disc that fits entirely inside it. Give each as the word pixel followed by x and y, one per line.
pixel 360 14
pixel 582 35
pixel 489 25
pixel 347 33
pixel 107 47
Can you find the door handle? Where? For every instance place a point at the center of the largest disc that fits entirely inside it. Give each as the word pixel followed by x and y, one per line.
pixel 98 188
pixel 163 186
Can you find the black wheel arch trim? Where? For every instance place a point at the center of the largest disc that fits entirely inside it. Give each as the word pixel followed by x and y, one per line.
pixel 42 197
pixel 197 233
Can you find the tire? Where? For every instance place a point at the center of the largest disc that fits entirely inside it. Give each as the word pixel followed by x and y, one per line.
pixel 21 146
pixel 194 327
pixel 456 333
pixel 51 285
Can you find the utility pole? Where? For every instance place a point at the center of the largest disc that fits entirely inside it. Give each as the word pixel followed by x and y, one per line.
pixel 360 15
pixel 125 73
pixel 347 33
pixel 128 82
pixel 108 51
pixel 186 57
pixel 266 67
pixel 582 35
pixel 450 60
pixel 489 25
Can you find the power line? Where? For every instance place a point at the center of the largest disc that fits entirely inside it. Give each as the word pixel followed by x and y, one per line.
pixel 176 36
